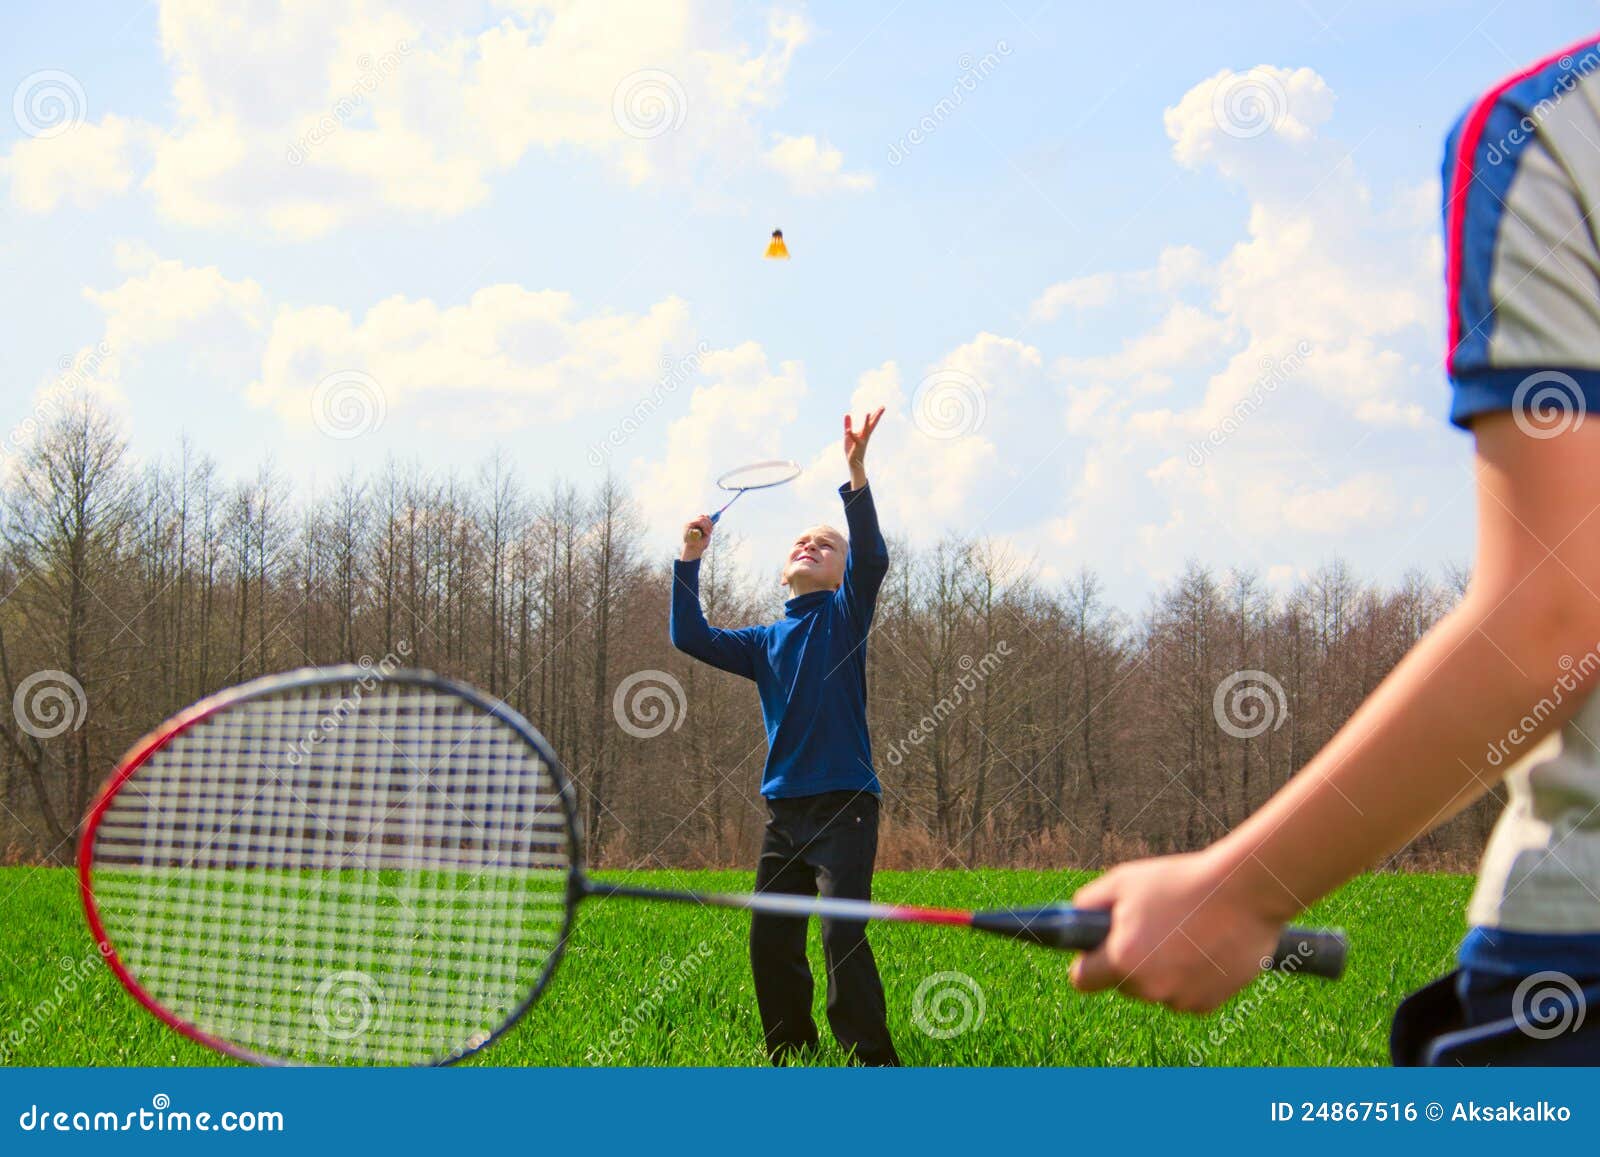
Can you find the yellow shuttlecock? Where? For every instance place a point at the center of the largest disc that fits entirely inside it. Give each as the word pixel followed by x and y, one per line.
pixel 776 247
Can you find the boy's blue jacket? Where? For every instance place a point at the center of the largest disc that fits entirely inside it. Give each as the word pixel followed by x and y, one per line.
pixel 810 667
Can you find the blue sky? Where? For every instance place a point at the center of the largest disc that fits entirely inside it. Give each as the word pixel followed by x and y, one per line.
pixel 1153 283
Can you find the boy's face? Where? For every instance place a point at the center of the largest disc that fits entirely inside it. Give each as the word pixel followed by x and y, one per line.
pixel 816 561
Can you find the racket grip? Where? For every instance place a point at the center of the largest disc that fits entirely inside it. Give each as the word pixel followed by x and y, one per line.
pixel 714 519
pixel 1314 951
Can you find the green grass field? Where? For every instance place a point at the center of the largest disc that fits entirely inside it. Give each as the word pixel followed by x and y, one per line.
pixel 650 984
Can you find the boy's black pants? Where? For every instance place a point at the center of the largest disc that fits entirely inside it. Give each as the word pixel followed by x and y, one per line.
pixel 820 843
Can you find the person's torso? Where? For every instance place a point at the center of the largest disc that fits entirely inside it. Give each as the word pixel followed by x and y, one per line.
pixel 811 676
pixel 1541 870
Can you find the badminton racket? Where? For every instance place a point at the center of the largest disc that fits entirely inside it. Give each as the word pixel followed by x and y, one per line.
pixel 355 866
pixel 755 476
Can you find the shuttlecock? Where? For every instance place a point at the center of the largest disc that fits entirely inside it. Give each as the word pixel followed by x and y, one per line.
pixel 776 247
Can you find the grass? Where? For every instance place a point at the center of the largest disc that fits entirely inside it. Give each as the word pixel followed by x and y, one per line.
pixel 653 984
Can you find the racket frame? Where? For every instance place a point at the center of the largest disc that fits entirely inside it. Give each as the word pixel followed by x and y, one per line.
pixel 740 491
pixel 795 468
pixel 270 685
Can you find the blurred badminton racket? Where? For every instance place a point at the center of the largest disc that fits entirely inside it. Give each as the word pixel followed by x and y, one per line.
pixel 351 866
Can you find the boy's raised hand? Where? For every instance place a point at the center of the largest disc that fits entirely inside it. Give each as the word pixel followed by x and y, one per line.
pixel 696 537
pixel 855 446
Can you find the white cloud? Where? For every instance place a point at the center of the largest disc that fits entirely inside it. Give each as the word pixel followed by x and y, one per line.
pixel 740 414
pixel 1177 267
pixel 506 359
pixel 1364 500
pixel 1096 289
pixel 812 167
pixel 82 165
pixel 297 119
pixel 1184 336
pixel 168 302
pixel 927 483
pixel 1225 119
pixel 1306 343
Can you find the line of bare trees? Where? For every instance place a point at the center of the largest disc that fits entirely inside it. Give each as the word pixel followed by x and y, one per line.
pixel 1014 721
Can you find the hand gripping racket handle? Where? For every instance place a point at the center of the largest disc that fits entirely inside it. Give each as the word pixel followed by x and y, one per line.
pixel 1315 951
pixel 717 517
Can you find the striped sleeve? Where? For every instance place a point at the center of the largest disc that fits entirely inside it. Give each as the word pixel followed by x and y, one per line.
pixel 1522 265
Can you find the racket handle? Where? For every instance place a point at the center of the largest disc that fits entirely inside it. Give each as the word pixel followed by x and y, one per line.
pixel 715 518
pixel 1315 951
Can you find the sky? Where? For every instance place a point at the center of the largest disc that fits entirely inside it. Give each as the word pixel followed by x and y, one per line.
pixel 1137 284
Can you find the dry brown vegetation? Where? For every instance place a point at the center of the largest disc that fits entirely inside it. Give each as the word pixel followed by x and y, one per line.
pixel 1031 724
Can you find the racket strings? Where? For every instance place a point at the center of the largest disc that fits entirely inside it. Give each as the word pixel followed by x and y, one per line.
pixel 332 875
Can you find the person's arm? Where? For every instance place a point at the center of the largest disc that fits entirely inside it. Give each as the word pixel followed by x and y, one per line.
pixel 1190 930
pixel 732 651
pixel 867 560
